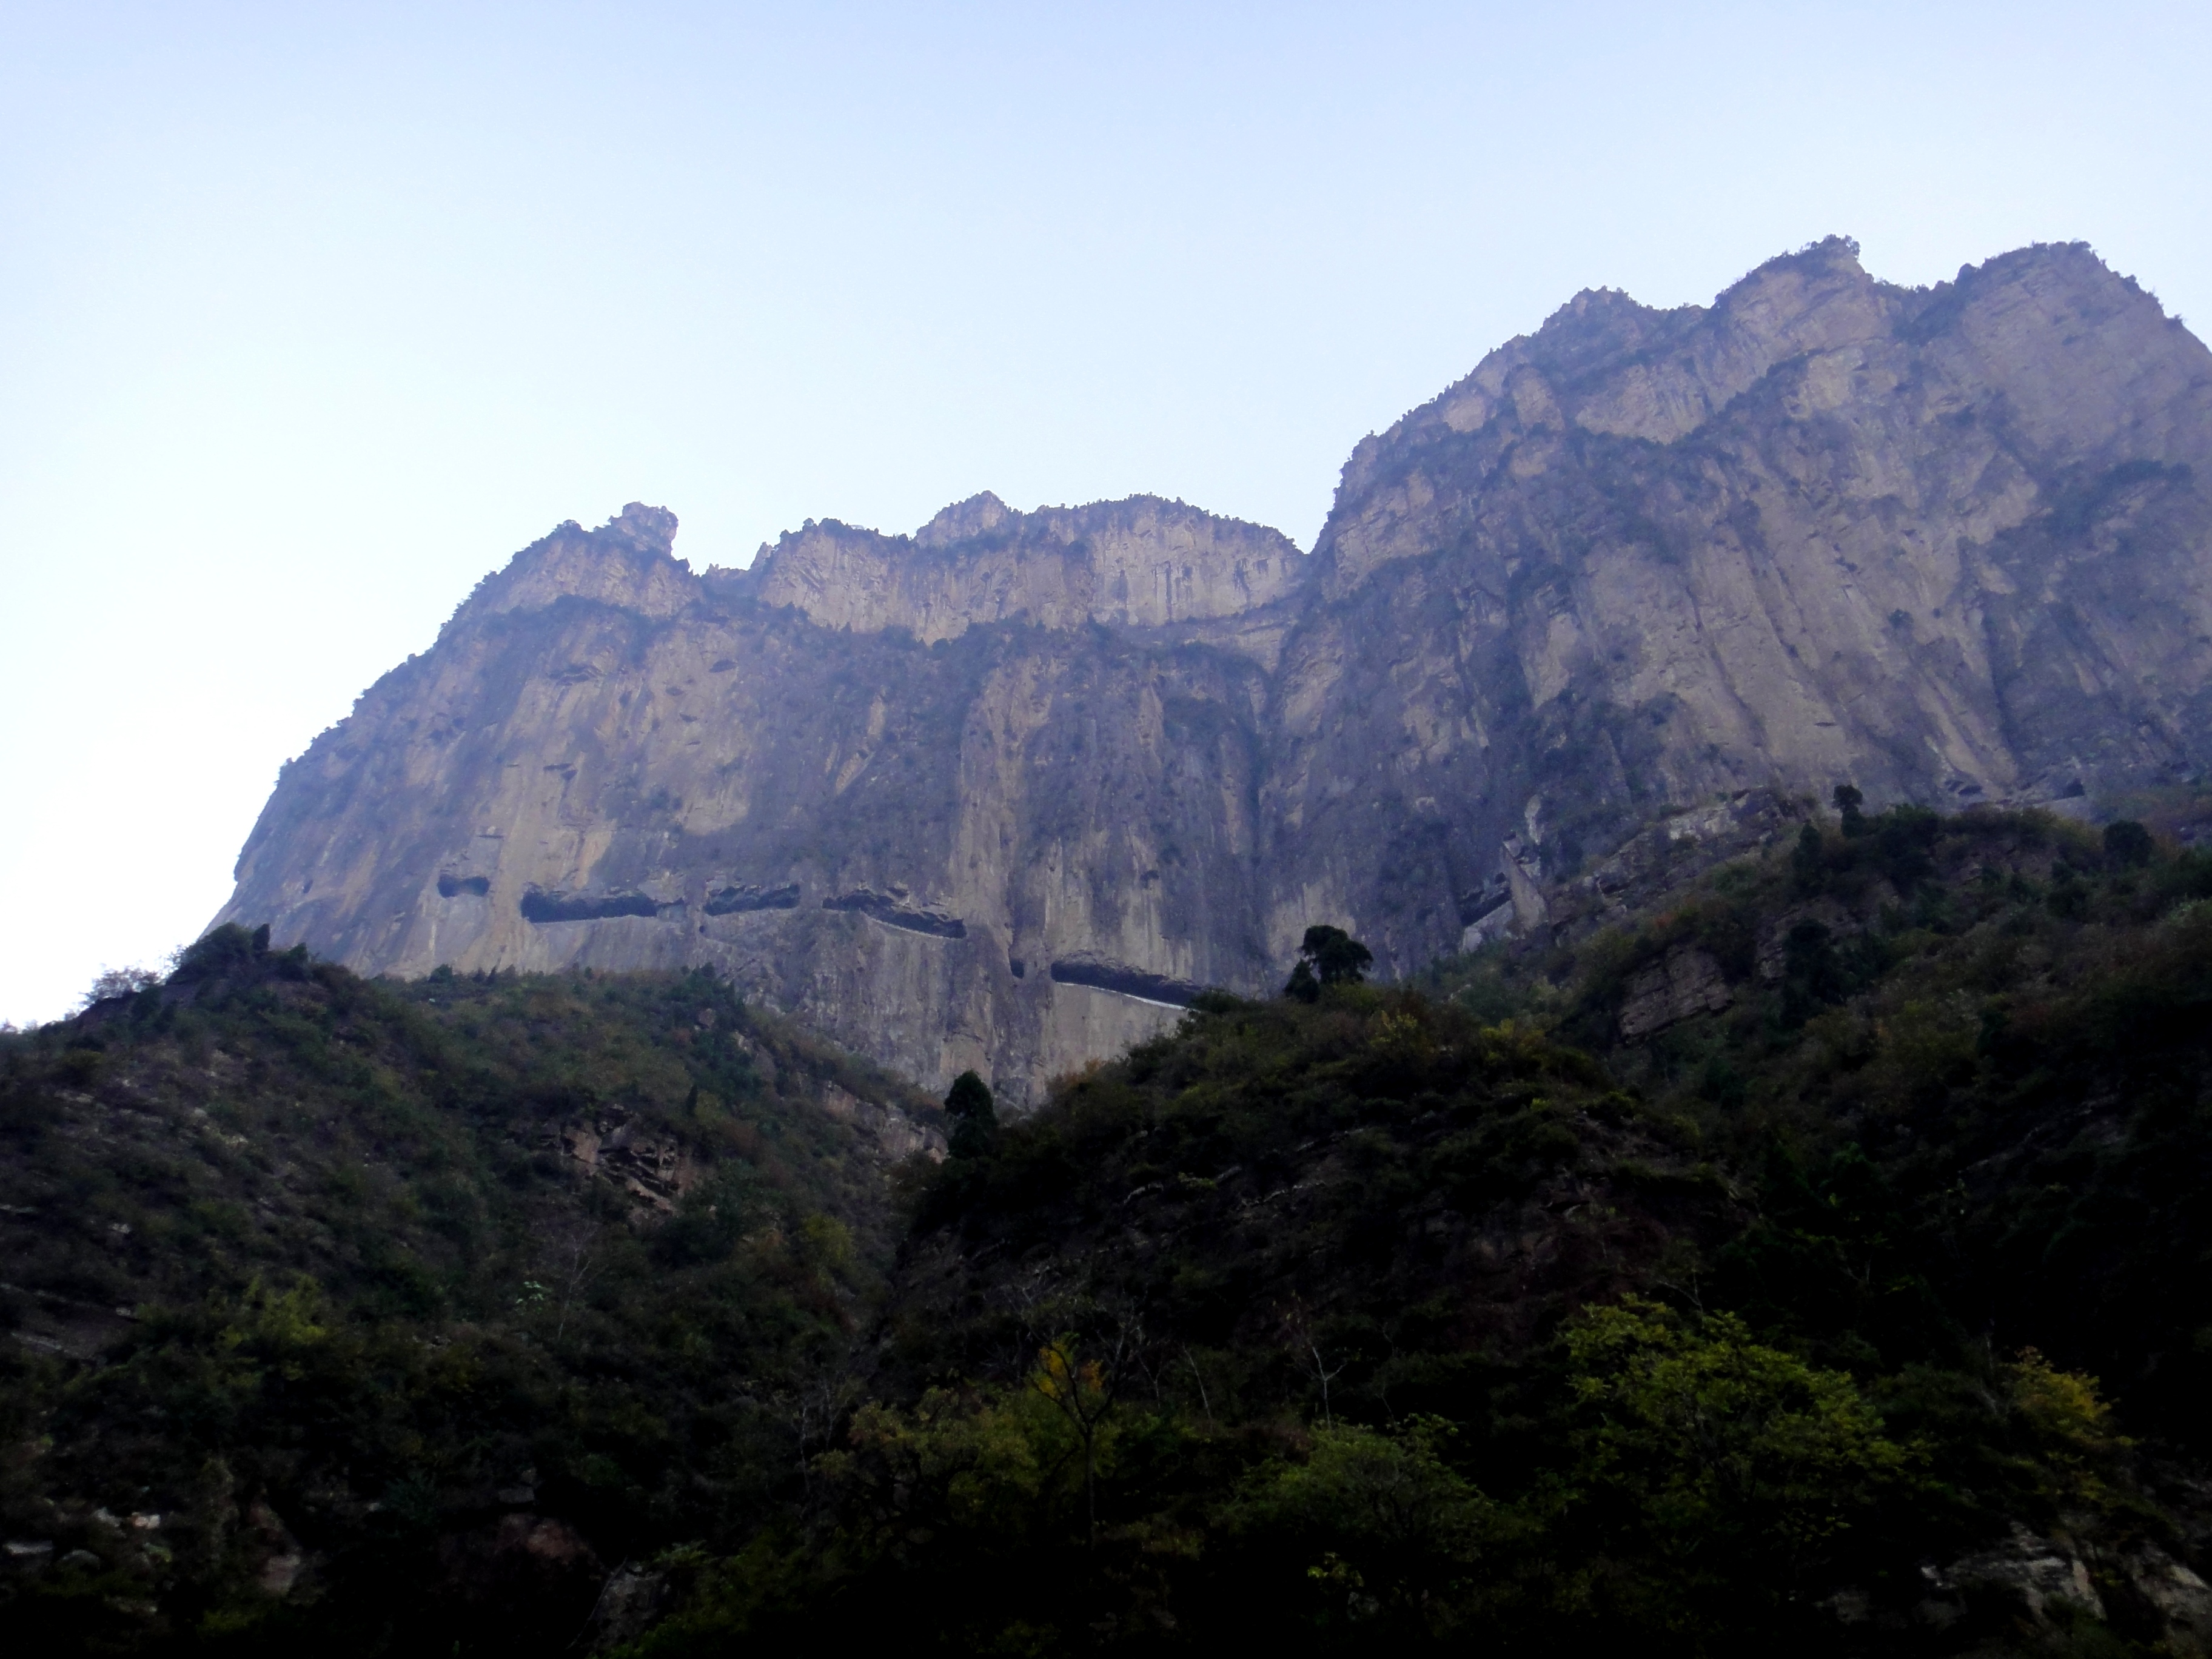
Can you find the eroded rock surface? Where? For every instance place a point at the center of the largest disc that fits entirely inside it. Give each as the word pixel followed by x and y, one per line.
pixel 1949 543
pixel 1141 562
pixel 1003 793
pixel 1687 982
pixel 897 840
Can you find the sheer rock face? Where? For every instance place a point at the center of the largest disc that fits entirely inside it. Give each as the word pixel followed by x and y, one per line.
pixel 607 761
pixel 1951 545
pixel 999 794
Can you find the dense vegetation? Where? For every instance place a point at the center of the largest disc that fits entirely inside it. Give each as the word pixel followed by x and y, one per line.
pixel 1411 1317
pixel 1971 1092
pixel 325 1337
pixel 1819 1259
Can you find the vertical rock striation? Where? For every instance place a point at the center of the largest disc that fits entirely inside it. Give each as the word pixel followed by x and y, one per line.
pixel 1950 544
pixel 1003 793
pixel 1140 563
pixel 607 761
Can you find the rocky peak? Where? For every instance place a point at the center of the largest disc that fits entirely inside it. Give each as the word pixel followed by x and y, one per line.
pixel 2047 340
pixel 964 522
pixel 2094 371
pixel 626 562
pixel 650 529
pixel 1140 562
pixel 1605 363
pixel 1946 543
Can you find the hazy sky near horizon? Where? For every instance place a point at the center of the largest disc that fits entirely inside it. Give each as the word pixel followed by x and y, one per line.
pixel 311 314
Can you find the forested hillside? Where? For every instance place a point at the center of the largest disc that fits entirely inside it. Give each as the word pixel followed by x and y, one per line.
pixel 1816 1258
pixel 1857 1301
pixel 352 1317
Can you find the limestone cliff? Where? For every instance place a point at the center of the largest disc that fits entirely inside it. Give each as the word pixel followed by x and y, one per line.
pixel 1953 544
pixel 1013 848
pixel 1001 793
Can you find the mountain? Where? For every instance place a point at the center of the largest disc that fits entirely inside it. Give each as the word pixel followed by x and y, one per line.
pixel 1004 793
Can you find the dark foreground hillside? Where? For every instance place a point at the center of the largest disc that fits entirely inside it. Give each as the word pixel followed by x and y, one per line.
pixel 1820 1262
pixel 1842 1284
pixel 349 1318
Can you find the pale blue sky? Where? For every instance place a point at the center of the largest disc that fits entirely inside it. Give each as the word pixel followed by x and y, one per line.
pixel 311 314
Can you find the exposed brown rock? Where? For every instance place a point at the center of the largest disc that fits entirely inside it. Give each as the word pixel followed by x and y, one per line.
pixel 654 1171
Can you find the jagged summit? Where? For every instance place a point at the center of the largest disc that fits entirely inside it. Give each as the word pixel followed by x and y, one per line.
pixel 1604 363
pixel 1139 562
pixel 629 561
pixel 652 528
pixel 964 522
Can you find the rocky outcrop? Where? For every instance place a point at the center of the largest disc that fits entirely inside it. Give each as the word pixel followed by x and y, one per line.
pixel 1004 792
pixel 652 1171
pixel 2028 1585
pixel 1685 982
pixel 1142 563
pixel 893 1133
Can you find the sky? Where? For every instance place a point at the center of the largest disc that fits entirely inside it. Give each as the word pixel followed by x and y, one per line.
pixel 312 315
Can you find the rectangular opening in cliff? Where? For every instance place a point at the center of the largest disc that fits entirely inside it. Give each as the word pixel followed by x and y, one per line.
pixel 1124 981
pixel 879 907
pixel 541 907
pixel 735 900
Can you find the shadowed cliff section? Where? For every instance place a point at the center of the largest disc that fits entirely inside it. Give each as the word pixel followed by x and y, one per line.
pixel 1949 543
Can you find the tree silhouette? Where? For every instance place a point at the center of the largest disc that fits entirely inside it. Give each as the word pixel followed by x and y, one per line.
pixel 975 1118
pixel 2127 843
pixel 1084 1390
pixel 1850 805
pixel 1329 955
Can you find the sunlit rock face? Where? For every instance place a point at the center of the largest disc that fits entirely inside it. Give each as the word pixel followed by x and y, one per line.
pixel 1140 563
pixel 1951 545
pixel 1001 793
pixel 1015 844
